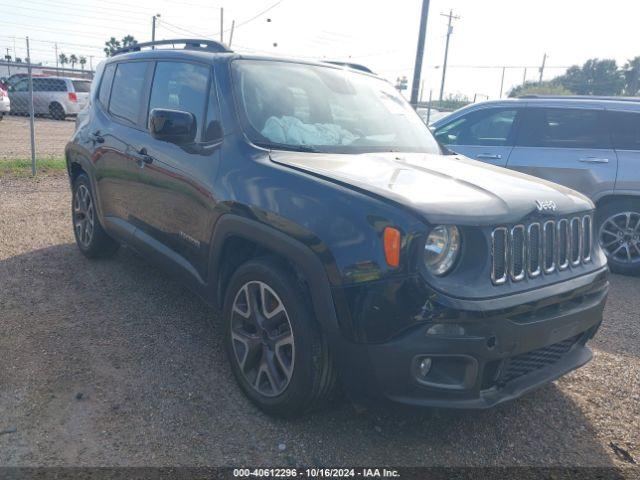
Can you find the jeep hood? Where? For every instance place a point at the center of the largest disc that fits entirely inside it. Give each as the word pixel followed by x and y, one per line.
pixel 441 189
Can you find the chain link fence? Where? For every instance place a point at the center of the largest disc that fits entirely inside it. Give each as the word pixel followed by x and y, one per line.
pixel 37 105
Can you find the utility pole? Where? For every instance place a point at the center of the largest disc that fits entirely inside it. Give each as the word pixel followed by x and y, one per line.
pixel 524 77
pixel 446 49
pixel 417 69
pixel 502 81
pixel 56 47
pixel 544 60
pixel 221 24
pixel 153 27
pixel 91 64
pixel 233 24
pixel 8 59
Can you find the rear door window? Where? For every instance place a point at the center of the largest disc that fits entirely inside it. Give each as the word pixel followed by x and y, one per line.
pixel 127 91
pixel 625 130
pixel 490 127
pixel 564 128
pixel 181 86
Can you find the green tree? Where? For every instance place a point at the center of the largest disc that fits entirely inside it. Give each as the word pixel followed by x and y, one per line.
pixel 110 46
pixel 551 87
pixel 595 77
pixel 73 60
pixel 631 72
pixel 82 61
pixel 63 59
pixel 128 41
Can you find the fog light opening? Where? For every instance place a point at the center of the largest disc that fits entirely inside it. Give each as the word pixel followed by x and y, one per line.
pixel 424 366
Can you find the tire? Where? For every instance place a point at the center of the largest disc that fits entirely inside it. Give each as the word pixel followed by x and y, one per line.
pixel 91 238
pixel 301 374
pixel 56 111
pixel 618 229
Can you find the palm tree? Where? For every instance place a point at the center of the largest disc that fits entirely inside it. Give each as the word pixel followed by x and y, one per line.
pixel 111 46
pixel 63 59
pixel 82 61
pixel 128 41
pixel 73 60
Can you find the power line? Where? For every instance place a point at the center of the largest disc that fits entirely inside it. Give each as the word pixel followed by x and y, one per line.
pixel 53 30
pixel 66 15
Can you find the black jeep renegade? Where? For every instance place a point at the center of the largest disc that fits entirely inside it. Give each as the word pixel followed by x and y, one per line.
pixel 310 205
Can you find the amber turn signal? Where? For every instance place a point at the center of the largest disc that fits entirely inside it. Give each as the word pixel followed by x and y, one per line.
pixel 392 246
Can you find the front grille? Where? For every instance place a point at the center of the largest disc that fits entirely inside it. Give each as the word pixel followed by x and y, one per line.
pixel 529 362
pixel 537 248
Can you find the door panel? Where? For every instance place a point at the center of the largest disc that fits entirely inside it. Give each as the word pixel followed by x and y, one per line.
pixel 625 132
pixel 486 135
pixel 175 208
pixel 117 165
pixel 567 146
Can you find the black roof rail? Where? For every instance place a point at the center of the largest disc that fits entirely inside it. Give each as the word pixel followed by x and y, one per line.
pixel 355 66
pixel 189 43
pixel 581 97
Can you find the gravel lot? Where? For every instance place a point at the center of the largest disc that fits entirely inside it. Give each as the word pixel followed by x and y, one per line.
pixel 113 363
pixel 51 137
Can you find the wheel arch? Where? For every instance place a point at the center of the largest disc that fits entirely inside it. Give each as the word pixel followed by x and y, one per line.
pixel 237 239
pixel 616 197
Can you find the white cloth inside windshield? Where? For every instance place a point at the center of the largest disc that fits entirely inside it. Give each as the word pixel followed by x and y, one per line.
pixel 292 131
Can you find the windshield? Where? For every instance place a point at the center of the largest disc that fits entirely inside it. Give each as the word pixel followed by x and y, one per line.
pixel 306 107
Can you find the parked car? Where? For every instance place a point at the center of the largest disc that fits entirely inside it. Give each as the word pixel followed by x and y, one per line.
pixel 5 103
pixel 58 97
pixel 589 144
pixel 311 207
pixel 430 117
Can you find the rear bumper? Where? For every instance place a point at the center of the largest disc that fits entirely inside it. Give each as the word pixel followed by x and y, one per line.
pixel 478 362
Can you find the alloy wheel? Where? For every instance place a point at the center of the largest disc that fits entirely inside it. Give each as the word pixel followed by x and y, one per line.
pixel 262 338
pixel 620 237
pixel 83 215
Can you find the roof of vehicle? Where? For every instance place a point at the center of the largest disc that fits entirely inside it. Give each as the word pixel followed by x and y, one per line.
pixel 580 101
pixel 207 50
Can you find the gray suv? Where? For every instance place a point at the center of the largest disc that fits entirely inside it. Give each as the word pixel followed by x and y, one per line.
pixel 58 97
pixel 591 144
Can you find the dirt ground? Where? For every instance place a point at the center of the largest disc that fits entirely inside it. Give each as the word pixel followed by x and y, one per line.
pixel 113 363
pixel 51 137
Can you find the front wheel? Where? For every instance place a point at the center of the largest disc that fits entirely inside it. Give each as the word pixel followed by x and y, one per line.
pixel 619 235
pixel 91 238
pixel 277 352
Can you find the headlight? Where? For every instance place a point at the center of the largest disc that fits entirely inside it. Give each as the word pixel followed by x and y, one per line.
pixel 442 249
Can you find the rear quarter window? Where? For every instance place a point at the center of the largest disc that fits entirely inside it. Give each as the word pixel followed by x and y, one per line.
pixel 625 130
pixel 105 85
pixel 81 86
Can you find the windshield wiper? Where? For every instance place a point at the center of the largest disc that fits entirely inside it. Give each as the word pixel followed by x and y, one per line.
pixel 284 146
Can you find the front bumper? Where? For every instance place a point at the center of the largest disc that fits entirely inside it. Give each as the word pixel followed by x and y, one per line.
pixel 478 361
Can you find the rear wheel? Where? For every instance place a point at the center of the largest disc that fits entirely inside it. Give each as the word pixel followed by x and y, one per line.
pixel 277 352
pixel 91 238
pixel 619 235
pixel 56 111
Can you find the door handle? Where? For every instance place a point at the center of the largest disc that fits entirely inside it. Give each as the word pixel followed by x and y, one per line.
pixel 489 156
pixel 96 137
pixel 594 160
pixel 142 157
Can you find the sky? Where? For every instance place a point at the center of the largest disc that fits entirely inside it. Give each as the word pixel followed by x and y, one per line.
pixel 382 35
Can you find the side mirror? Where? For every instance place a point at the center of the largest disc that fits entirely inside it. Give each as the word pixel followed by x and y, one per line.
pixel 172 126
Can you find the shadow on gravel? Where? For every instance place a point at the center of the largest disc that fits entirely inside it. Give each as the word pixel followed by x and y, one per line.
pixel 113 363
